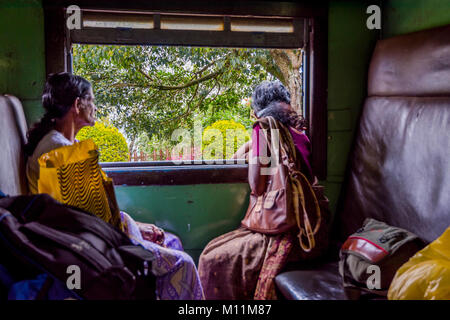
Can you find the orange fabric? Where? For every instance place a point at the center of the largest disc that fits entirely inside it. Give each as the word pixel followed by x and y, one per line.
pixel 276 257
pixel 242 264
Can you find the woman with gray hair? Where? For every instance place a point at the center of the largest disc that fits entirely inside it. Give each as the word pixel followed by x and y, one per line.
pixel 242 264
pixel 69 105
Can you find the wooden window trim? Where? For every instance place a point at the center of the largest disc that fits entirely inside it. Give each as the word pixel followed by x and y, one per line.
pixel 168 174
pixel 58 57
pixel 317 73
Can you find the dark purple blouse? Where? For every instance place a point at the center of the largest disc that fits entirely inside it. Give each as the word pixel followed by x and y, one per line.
pixel 302 144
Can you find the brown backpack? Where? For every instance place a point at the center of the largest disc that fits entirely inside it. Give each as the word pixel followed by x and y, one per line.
pixel 39 235
pixel 289 202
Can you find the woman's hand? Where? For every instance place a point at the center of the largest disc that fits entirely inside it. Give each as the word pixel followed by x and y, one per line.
pixel 243 151
pixel 150 232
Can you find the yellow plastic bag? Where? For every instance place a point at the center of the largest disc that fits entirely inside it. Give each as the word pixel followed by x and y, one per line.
pixel 426 276
pixel 72 175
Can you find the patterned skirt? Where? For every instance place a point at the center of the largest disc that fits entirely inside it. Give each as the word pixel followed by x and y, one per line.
pixel 242 265
pixel 175 271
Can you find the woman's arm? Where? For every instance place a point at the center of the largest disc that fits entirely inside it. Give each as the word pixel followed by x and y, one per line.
pixel 256 179
pixel 243 151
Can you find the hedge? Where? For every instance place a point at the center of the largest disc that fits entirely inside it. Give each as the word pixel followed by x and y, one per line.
pixel 238 135
pixel 110 142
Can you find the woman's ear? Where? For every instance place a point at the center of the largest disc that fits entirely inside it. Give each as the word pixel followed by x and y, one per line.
pixel 77 106
pixel 286 106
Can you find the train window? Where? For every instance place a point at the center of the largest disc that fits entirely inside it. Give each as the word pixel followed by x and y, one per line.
pixel 301 29
pixel 192 23
pixel 153 92
pixel 132 28
pixel 261 25
pixel 164 98
pixel 92 19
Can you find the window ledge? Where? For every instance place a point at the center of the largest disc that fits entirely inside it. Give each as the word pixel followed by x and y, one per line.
pixel 168 173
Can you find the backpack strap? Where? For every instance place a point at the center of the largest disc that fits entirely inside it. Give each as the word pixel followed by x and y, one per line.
pixel 307 231
pixel 289 159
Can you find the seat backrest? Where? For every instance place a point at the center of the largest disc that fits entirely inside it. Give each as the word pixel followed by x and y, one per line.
pixel 400 164
pixel 13 128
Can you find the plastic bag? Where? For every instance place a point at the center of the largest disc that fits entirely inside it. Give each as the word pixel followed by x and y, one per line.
pixel 72 175
pixel 426 276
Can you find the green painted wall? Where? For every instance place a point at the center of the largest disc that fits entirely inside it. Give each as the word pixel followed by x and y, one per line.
pixel 22 53
pixel 350 45
pixel 404 16
pixel 195 213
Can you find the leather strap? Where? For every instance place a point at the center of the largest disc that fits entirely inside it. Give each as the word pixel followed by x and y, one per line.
pixel 307 231
pixel 289 159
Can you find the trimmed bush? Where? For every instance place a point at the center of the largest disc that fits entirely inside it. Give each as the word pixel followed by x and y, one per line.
pixel 110 142
pixel 213 148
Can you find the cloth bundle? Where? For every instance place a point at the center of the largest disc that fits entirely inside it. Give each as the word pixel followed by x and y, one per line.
pixel 73 176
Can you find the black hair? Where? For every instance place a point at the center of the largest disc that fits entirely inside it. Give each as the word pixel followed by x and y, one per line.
pixel 270 98
pixel 60 92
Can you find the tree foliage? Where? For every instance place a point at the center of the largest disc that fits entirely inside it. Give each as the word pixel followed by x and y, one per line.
pixel 111 143
pixel 158 89
pixel 153 90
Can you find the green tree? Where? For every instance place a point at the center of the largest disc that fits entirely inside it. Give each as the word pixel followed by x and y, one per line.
pixel 110 142
pixel 157 89
pixel 223 138
pixel 154 90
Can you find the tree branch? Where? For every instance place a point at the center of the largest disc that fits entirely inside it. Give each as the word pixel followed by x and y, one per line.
pixel 145 74
pixel 167 88
pixel 196 106
pixel 205 67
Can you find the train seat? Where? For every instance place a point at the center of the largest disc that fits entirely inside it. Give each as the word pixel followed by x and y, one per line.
pixel 399 169
pixel 13 129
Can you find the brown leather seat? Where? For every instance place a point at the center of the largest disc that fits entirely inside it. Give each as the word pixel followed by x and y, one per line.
pixel 399 171
pixel 13 128
pixel 321 282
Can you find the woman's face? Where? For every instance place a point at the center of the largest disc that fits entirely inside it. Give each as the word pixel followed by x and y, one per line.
pixel 87 110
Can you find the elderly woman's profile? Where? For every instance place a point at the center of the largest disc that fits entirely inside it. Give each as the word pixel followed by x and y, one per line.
pixel 69 105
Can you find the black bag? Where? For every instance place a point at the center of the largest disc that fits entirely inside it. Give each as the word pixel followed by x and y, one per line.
pixel 375 247
pixel 39 234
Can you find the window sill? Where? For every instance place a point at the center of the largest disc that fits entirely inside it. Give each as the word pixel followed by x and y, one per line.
pixel 169 173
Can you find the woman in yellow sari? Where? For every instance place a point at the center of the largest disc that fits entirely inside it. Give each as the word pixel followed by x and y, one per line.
pixel 68 101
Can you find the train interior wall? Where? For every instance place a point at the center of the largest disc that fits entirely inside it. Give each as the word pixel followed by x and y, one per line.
pixel 198 213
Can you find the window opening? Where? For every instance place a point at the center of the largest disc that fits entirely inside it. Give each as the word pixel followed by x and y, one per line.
pixel 147 92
